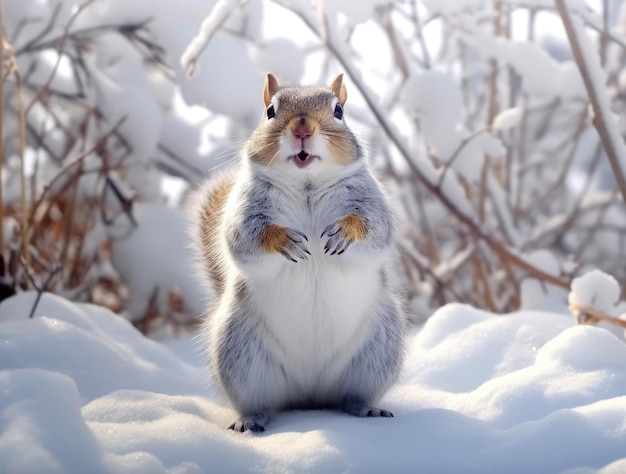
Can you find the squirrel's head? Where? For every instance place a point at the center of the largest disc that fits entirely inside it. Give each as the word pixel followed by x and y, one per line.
pixel 303 128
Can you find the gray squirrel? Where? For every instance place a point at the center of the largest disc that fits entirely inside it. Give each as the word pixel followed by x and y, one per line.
pixel 294 245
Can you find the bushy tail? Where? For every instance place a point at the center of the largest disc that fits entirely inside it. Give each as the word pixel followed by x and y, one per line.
pixel 207 214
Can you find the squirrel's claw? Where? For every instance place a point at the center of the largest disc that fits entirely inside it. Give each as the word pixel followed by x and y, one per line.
pixel 356 406
pixel 254 423
pixel 337 243
pixel 295 249
pixel 332 229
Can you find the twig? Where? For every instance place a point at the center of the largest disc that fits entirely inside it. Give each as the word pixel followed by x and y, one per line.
pixel 604 38
pixel 572 142
pixel 41 288
pixel 449 162
pixel 75 162
pixel 585 313
pixel 494 104
pixel 384 14
pixel 2 53
pixel 478 264
pixel 420 36
pixel 22 148
pixel 126 203
pixel 42 33
pixel 606 127
pixel 60 50
pixel 69 224
pixel 593 23
pixel 193 174
pixel 582 246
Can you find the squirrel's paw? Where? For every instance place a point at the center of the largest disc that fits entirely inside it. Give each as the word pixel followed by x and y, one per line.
pixel 290 243
pixel 342 233
pixel 357 407
pixel 254 423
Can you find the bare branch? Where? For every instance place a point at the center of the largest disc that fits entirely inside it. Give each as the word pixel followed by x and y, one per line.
pixel 590 68
pixel 587 315
pixel 60 50
pixel 335 45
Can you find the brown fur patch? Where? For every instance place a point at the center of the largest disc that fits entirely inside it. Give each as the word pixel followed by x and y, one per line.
pixel 210 216
pixel 343 149
pixel 220 193
pixel 274 238
pixel 352 227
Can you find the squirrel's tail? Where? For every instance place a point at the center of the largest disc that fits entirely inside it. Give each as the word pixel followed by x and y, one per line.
pixel 209 205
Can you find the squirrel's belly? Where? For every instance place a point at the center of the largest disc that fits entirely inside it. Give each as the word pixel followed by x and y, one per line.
pixel 317 314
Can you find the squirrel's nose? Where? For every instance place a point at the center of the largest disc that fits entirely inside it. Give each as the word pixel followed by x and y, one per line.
pixel 302 130
pixel 302 133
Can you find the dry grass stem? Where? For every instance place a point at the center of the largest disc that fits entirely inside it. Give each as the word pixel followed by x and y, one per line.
pixel 586 315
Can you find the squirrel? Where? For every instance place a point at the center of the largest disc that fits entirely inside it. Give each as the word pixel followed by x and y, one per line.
pixel 294 245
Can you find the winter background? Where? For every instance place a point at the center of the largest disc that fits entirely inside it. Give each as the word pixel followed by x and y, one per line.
pixel 497 129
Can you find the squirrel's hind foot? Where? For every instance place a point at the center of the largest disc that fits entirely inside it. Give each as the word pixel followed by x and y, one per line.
pixel 254 423
pixel 356 406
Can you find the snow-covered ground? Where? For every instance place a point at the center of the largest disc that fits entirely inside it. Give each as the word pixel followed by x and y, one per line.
pixel 82 391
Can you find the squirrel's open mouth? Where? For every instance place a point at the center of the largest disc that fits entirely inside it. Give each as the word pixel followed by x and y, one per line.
pixel 303 159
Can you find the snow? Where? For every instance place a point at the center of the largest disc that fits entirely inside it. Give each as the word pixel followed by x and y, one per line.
pixel 537 294
pixel 435 96
pixel 237 79
pixel 597 290
pixel 82 391
pixel 156 255
pixel 507 119
pixel 598 93
pixel 219 14
pixel 283 57
pixel 542 75
pixel 450 6
pixel 134 104
pixel 355 12
pixel 436 99
pixel 525 392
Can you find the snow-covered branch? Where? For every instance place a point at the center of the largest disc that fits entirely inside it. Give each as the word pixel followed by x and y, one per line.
pixel 220 13
pixel 481 132
pixel 594 77
pixel 422 170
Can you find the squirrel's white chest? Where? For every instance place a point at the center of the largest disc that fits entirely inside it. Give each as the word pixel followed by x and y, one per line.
pixel 316 311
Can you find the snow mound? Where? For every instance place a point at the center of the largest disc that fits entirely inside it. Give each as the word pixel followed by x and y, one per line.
pixel 99 351
pixel 525 392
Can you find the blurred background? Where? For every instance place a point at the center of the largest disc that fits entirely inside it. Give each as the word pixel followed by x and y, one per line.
pixel 473 113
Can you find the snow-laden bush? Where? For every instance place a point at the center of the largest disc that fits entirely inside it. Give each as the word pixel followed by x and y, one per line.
pixel 112 139
pixel 475 114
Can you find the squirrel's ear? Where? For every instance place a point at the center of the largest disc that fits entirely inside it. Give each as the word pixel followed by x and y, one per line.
pixel 271 88
pixel 339 89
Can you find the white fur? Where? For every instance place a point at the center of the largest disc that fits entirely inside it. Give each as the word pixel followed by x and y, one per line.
pixel 318 311
pixel 315 313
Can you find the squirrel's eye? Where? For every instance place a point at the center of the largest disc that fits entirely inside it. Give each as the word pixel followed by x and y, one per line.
pixel 271 112
pixel 338 112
